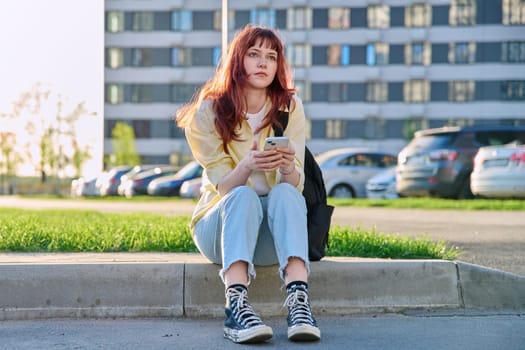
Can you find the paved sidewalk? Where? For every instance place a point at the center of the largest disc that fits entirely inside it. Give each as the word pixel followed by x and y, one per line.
pixel 173 285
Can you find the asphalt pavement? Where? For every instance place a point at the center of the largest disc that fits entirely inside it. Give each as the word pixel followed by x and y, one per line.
pixel 367 332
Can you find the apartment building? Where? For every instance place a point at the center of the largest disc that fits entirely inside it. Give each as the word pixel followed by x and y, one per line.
pixel 369 72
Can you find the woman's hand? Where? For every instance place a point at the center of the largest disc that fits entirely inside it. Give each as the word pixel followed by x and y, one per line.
pixel 287 165
pixel 265 161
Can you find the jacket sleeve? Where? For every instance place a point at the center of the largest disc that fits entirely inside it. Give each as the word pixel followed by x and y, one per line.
pixel 206 145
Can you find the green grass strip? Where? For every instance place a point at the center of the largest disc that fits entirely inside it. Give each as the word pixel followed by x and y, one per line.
pixel 90 231
pixel 433 203
pixel 358 242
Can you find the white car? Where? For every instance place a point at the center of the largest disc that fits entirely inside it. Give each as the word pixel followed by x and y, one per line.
pixel 346 170
pixel 499 172
pixel 382 185
pixel 191 188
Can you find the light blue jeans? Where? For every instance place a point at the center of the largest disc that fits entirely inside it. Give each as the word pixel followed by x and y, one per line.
pixel 259 230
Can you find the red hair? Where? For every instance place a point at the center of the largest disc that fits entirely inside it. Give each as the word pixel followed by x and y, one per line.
pixel 225 88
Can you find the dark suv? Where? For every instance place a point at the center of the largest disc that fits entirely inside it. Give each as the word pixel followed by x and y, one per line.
pixel 438 162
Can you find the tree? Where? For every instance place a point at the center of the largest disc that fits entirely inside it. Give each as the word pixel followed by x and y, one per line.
pixel 50 125
pixel 80 155
pixel 123 142
pixel 9 160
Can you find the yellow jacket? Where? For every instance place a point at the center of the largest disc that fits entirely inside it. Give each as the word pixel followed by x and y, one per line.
pixel 206 146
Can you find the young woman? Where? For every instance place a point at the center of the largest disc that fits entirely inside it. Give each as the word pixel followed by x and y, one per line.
pixel 252 211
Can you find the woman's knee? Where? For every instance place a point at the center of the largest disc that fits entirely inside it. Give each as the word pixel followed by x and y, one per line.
pixel 284 190
pixel 242 194
pixel 286 194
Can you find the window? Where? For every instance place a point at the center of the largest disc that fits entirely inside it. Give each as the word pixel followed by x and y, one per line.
pixel 336 129
pixel 114 93
pixel 339 55
pixel 299 18
pixel 462 53
pixel 513 51
pixel 183 92
pixel 338 92
pixel 299 55
pixel 142 21
pixel 513 12
pixel 180 57
pixel 217 52
pixel 416 91
pixel 418 15
pixel 303 90
pixel 142 128
pixel 141 93
pixel 264 17
pixel 417 53
pixel 202 56
pixel 513 90
pixel 374 127
pixel 217 20
pixel 338 18
pixel 377 54
pixel 115 21
pixel 461 91
pixel 462 13
pixel 376 91
pixel 115 57
pixel 413 124
pixel 181 20
pixel 378 16
pixel 141 57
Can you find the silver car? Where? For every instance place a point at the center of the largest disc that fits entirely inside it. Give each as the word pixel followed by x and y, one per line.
pixel 346 170
pixel 499 172
pixel 382 185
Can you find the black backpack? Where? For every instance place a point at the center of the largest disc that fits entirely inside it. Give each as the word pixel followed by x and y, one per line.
pixel 319 213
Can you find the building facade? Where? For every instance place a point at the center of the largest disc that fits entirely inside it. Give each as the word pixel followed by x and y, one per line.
pixel 370 72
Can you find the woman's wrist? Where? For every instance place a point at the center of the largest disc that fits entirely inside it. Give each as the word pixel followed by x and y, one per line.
pixel 288 172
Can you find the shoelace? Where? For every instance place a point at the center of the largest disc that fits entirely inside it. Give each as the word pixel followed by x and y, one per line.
pixel 300 312
pixel 241 308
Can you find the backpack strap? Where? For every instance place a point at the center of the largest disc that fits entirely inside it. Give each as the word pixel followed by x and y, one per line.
pixel 283 119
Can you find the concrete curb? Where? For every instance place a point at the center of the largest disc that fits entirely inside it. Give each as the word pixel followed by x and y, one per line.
pixel 187 285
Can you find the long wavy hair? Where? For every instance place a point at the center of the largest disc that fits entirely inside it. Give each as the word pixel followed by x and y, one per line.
pixel 225 88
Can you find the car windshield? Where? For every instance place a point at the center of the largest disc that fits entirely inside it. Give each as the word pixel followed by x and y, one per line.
pixel 428 142
pixel 323 157
pixel 186 171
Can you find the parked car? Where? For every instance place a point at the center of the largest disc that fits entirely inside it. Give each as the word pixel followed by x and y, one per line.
pixel 499 172
pixel 438 162
pixel 170 185
pixel 109 183
pixel 83 187
pixel 382 185
pixel 191 188
pixel 130 174
pixel 138 184
pixel 346 170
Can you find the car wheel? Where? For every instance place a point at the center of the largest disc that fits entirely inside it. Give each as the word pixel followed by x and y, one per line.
pixel 342 191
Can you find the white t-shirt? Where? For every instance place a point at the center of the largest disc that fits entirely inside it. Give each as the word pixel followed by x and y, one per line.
pixel 257 177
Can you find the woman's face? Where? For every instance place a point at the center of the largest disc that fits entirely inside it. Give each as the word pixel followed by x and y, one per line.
pixel 260 63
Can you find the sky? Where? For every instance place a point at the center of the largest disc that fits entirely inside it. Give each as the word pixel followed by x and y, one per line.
pixel 60 44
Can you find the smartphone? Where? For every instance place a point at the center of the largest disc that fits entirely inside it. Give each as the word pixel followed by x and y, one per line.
pixel 275 141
